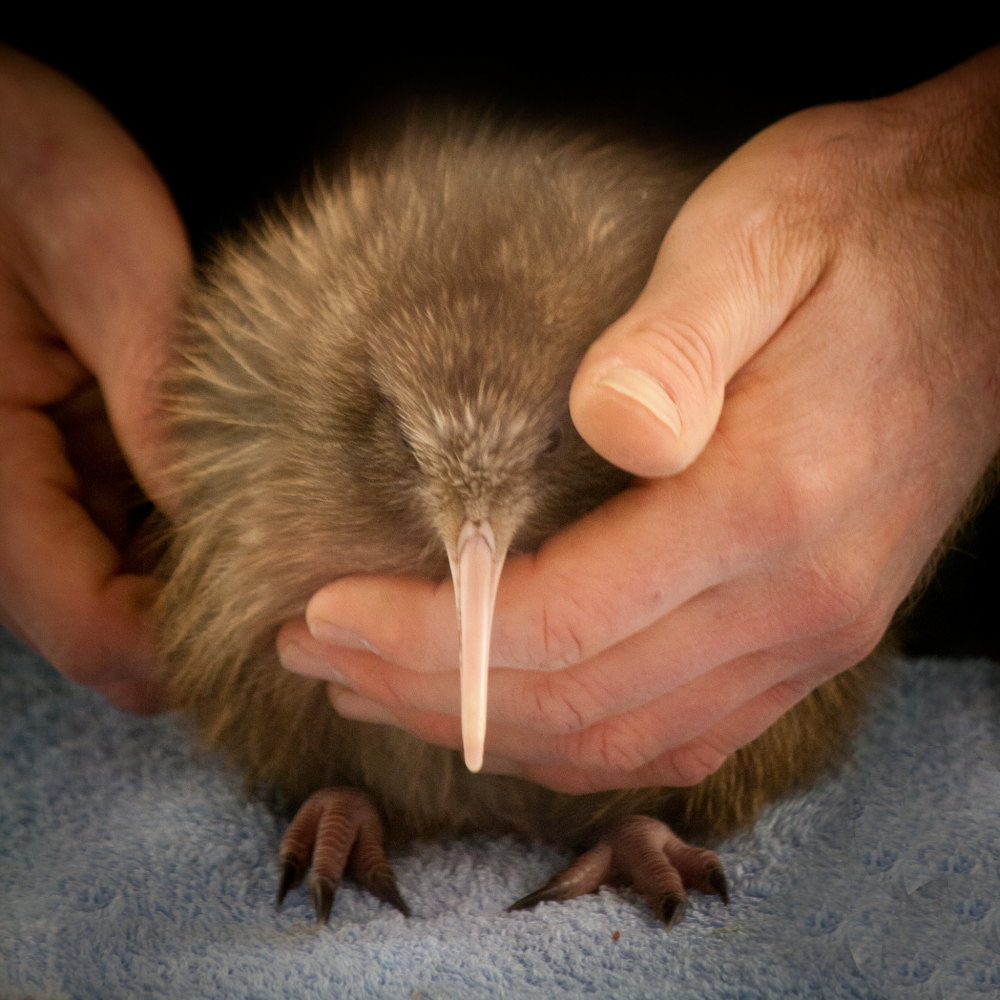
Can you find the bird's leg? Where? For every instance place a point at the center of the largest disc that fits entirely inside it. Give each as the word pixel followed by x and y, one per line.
pixel 336 829
pixel 643 853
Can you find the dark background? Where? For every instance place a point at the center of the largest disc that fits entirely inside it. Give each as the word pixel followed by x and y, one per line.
pixel 231 114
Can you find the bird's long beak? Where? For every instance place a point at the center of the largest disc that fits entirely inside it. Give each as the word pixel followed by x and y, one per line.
pixel 476 563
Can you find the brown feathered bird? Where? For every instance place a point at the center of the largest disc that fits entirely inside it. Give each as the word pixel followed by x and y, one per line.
pixel 376 380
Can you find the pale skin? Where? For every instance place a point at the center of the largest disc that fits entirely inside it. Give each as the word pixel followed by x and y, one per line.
pixel 93 258
pixel 822 319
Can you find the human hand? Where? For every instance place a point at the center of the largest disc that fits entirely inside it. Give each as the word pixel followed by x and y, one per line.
pixel 92 262
pixel 822 319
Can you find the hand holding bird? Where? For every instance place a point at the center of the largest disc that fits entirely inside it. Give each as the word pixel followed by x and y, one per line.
pixel 809 387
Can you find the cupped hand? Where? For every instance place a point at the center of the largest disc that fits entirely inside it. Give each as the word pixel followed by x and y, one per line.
pixel 93 260
pixel 808 390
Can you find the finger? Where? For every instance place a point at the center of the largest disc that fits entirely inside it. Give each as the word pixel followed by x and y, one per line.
pixel 629 745
pixel 113 280
pixel 138 697
pixel 648 393
pixel 301 654
pixel 652 737
pixel 61 587
pixel 603 578
pixel 717 626
pixel 689 763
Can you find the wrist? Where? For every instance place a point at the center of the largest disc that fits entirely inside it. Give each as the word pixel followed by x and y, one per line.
pixel 955 118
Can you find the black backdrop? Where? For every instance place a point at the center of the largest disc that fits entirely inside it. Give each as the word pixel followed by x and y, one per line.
pixel 232 112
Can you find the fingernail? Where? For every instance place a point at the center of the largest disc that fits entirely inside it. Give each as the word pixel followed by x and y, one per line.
pixel 300 659
pixel 334 635
pixel 360 709
pixel 644 390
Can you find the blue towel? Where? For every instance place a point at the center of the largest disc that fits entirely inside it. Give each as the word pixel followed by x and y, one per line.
pixel 130 866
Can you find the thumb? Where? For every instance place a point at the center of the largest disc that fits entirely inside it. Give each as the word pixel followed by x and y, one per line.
pixel 733 266
pixel 103 251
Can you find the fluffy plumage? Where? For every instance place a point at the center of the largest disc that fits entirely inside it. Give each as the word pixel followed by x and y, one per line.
pixel 360 369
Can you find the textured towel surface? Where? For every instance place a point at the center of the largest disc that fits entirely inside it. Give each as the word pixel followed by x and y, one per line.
pixel 131 868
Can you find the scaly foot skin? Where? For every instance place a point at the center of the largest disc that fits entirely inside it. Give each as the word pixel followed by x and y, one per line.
pixel 336 829
pixel 647 855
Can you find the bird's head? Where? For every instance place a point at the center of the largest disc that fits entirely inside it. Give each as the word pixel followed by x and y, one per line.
pixel 465 272
pixel 475 394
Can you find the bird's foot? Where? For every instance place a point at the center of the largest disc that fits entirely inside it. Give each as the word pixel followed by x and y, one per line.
pixel 336 829
pixel 647 855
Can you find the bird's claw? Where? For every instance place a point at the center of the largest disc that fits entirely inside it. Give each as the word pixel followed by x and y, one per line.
pixel 321 893
pixel 291 876
pixel 336 829
pixel 647 855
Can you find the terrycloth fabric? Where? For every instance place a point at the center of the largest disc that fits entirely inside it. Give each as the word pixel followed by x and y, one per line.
pixel 131 868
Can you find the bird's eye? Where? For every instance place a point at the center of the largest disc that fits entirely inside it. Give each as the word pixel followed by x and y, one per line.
pixel 553 442
pixel 405 442
pixel 387 420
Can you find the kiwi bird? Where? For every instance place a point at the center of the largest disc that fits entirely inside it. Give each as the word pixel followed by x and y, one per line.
pixel 375 379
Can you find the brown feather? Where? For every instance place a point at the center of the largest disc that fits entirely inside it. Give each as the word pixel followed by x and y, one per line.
pixel 462 270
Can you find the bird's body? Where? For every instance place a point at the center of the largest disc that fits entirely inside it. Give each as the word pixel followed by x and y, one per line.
pixel 361 374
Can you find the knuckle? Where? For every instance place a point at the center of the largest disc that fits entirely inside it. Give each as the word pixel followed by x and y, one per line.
pixel 785 694
pixel 841 602
pixel 612 747
pixel 388 687
pixel 32 451
pixel 860 636
pixel 770 705
pixel 98 649
pixel 566 630
pixel 778 520
pixel 837 611
pixel 78 662
pixel 686 357
pixel 562 644
pixel 692 763
pixel 563 704
pixel 800 500
pixel 831 605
